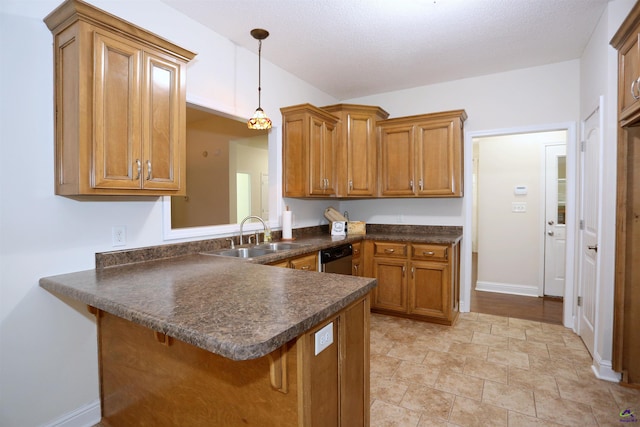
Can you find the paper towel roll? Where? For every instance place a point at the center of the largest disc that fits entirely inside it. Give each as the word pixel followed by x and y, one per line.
pixel 286 224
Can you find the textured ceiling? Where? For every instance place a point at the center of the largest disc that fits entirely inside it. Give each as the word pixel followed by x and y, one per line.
pixel 353 48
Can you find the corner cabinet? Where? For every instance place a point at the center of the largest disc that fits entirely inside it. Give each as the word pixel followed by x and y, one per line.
pixel 421 156
pixel 415 280
pixel 356 160
pixel 626 346
pixel 119 106
pixel 308 152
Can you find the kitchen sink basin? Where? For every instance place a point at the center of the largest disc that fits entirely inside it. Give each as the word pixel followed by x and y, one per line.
pixel 243 252
pixel 280 246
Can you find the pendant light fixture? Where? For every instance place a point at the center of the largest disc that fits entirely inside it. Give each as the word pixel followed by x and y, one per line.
pixel 259 120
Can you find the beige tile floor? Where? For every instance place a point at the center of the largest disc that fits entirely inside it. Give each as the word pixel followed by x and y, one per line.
pixel 488 371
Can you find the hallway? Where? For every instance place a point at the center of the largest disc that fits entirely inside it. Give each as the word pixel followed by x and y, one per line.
pixel 548 310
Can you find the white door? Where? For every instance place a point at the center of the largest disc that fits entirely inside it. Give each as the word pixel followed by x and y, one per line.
pixel 588 233
pixel 555 214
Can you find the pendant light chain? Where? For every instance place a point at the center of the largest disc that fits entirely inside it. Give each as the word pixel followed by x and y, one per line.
pixel 259 73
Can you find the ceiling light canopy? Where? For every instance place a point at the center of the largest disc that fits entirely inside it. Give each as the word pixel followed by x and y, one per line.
pixel 259 120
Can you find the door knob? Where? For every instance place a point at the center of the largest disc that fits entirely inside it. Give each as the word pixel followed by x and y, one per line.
pixel 551 222
pixel 550 233
pixel 593 248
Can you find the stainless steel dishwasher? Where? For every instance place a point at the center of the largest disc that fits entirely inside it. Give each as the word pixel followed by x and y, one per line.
pixel 337 259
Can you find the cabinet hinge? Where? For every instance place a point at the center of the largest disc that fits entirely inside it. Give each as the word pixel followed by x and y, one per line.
pixel 583 146
pixel 582 224
pixel 579 301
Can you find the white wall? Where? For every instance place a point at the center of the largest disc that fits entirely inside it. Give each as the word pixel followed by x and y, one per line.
pixel 48 363
pixel 598 77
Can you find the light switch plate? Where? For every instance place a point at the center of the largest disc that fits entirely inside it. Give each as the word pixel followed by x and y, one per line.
pixel 324 338
pixel 518 207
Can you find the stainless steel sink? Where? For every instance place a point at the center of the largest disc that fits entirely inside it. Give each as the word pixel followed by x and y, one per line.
pixel 243 252
pixel 280 246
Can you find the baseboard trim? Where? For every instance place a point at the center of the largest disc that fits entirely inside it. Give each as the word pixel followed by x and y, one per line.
pixel 85 416
pixel 507 288
pixel 602 370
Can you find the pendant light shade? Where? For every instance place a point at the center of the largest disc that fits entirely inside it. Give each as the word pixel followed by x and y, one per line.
pixel 259 120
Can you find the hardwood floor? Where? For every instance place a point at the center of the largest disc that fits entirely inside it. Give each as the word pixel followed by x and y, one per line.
pixel 548 310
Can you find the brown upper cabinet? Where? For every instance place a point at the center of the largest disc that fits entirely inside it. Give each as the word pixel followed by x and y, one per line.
pixel 353 151
pixel 308 151
pixel 626 41
pixel 120 101
pixel 356 159
pixel 421 156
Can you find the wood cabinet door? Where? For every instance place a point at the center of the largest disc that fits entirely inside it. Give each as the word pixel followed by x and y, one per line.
pixel 391 292
pixel 396 161
pixel 117 144
pixel 429 289
pixel 294 154
pixel 361 155
pixel 305 262
pixel 322 146
pixel 629 76
pixel 162 135
pixel 439 158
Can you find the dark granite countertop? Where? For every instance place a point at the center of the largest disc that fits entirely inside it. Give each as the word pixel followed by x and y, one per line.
pixel 229 307
pixel 232 307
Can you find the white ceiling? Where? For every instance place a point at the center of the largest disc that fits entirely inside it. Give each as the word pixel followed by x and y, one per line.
pixel 353 48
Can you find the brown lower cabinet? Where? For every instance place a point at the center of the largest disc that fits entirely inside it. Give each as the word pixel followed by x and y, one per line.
pixel 308 262
pixel 147 378
pixel 415 280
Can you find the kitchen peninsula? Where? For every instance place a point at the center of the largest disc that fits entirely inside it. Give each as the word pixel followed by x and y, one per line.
pixel 205 340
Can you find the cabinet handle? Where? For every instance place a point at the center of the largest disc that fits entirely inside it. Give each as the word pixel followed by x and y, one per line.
pixel 305 267
pixel 413 272
pixel 420 184
pixel 404 270
pixel 148 170
pixel 411 184
pixel 389 251
pixel 633 87
pixel 355 270
pixel 428 253
pixel 350 184
pixel 139 167
pixel 327 184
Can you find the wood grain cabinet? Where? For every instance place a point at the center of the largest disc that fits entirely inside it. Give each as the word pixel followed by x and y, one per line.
pixel 307 262
pixel 309 145
pixel 149 378
pixel 415 280
pixel 421 156
pixel 119 106
pixel 626 346
pixel 356 160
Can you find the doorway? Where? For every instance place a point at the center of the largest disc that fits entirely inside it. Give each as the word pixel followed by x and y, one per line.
pixel 509 225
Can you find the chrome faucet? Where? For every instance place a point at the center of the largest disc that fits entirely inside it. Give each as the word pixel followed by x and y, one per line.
pixel 267 230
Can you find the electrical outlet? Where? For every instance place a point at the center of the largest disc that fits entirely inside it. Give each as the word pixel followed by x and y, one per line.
pixel 118 235
pixel 324 338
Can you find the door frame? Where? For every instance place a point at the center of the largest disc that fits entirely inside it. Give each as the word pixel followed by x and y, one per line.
pixel 568 315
